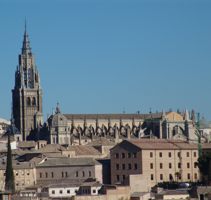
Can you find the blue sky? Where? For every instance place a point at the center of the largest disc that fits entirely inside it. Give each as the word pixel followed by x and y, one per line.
pixel 102 56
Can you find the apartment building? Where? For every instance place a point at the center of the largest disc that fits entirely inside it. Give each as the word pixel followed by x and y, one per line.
pixel 147 162
pixel 64 170
pixel 24 174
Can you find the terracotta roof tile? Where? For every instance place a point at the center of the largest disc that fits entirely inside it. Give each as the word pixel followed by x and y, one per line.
pixel 163 144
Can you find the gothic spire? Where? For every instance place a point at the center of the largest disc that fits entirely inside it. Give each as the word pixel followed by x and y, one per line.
pixel 26 49
pixel 187 118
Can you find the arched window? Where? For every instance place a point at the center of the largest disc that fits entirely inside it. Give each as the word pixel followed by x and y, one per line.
pixel 30 78
pixel 28 101
pixel 34 101
pixel 36 78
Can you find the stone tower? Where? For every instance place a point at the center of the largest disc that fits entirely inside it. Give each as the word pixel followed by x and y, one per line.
pixel 27 92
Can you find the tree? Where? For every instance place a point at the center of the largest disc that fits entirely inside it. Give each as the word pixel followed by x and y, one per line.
pixel 9 180
pixel 204 166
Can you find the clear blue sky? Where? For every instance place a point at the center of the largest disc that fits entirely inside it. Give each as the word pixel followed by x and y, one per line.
pixel 106 56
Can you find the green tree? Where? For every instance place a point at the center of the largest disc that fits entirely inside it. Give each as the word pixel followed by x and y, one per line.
pixel 9 180
pixel 204 166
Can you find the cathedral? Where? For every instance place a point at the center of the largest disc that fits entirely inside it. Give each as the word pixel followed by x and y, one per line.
pixel 27 92
pixel 79 129
pixel 76 129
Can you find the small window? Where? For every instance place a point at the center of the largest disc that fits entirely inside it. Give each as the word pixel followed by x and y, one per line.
pixel 28 101
pixel 152 177
pixel 194 154
pixel 76 173
pixel 134 155
pixel 195 176
pixel 179 155
pixel 90 173
pixel 161 165
pixel 68 191
pixel 170 177
pixel 179 165
pixel 188 154
pixel 117 166
pixel 123 155
pixel 117 155
pixel 188 165
pixel 94 191
pixel 195 164
pixel 169 154
pixel 160 154
pixel 83 173
pixel 62 174
pixel 135 166
pixel 170 165
pixel 151 165
pixel 161 177
pixel 60 191
pixel 129 166
pixel 151 154
pixel 46 174
pixel 40 175
pixel 53 191
pixel 117 177
pixel 188 176
pixel 34 101
pixel 123 166
pixel 129 155
pixel 52 175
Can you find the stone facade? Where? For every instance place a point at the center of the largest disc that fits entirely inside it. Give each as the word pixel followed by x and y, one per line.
pixel 157 160
pixel 65 170
pixel 24 174
pixel 27 92
pixel 74 129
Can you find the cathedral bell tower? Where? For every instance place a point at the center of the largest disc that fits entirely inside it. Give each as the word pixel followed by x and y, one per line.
pixel 27 92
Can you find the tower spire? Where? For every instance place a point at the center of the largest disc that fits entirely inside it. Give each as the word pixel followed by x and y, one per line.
pixel 25 30
pixel 26 49
pixel 27 92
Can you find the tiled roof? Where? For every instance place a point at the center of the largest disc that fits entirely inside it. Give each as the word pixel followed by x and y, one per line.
pixel 206 146
pixel 49 148
pixel 54 162
pixel 102 141
pixel 84 150
pixel 57 182
pixel 65 185
pixel 91 183
pixel 162 144
pixel 27 144
pixel 18 165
